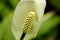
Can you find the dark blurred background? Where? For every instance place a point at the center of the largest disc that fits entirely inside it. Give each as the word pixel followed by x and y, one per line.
pixel 50 27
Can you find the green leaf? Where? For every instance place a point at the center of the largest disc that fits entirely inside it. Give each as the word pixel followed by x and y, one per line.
pixel 48 26
pixel 5 28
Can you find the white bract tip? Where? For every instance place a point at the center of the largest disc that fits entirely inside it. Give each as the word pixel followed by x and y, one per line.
pixel 24 10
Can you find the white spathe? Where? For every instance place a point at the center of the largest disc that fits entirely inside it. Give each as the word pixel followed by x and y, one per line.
pixel 21 11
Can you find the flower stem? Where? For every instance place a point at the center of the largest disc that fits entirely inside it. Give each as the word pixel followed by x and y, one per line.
pixel 23 35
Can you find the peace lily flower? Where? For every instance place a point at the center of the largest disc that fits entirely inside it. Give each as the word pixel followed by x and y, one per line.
pixel 27 19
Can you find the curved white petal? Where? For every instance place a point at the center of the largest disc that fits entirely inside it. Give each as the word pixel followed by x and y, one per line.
pixel 21 11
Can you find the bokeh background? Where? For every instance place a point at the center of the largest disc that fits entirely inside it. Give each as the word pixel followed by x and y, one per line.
pixel 50 26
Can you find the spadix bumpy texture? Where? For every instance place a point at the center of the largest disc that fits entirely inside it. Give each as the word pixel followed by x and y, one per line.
pixel 27 18
pixel 30 21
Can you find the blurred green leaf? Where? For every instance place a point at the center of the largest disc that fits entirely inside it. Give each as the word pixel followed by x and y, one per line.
pixel 5 28
pixel 2 5
pixel 48 26
pixel 14 2
pixel 5 11
pixel 55 3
